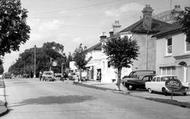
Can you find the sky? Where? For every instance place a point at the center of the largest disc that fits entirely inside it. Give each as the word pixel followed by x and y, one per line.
pixel 71 22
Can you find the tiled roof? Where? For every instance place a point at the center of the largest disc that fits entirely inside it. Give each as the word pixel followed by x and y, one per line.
pixel 97 46
pixel 173 29
pixel 137 27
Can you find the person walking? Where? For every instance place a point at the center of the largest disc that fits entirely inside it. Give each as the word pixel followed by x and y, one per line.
pixel 40 75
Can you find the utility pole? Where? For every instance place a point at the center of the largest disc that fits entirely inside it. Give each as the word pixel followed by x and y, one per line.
pixel 34 61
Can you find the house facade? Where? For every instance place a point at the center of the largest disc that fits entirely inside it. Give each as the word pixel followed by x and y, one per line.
pixel 98 68
pixel 142 31
pixel 173 53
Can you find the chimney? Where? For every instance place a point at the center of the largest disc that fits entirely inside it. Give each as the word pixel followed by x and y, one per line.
pixel 147 17
pixel 116 27
pixel 176 11
pixel 111 33
pixel 103 37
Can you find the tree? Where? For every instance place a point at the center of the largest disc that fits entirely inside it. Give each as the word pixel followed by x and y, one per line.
pixel 121 52
pixel 79 56
pixel 25 62
pixel 184 20
pixel 13 28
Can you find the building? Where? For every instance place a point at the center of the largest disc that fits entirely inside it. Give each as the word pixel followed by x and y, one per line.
pixel 142 32
pixel 173 53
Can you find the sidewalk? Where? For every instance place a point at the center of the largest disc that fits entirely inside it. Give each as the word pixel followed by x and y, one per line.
pixel 179 100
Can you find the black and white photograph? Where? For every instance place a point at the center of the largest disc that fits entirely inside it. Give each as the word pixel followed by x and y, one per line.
pixel 95 59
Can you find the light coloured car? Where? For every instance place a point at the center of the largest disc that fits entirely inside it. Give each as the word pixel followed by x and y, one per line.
pixel 157 84
pixel 48 76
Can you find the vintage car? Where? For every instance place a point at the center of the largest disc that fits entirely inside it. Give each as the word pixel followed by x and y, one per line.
pixel 137 79
pixel 48 76
pixel 157 84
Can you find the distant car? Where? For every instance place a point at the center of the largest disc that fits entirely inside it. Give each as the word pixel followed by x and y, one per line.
pixel 73 76
pixel 48 76
pixel 58 76
pixel 158 85
pixel 7 76
pixel 137 79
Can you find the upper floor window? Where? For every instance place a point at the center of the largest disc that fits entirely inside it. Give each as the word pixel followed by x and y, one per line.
pixel 169 46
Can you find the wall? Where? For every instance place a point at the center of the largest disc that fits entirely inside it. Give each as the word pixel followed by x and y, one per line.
pixel 142 62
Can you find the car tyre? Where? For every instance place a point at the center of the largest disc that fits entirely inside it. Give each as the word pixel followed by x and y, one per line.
pixel 164 91
pixel 130 87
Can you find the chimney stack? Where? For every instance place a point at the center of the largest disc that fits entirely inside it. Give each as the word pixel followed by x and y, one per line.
pixel 147 17
pixel 103 37
pixel 116 27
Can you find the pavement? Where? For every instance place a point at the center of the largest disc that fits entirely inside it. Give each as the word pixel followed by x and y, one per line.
pixel 178 100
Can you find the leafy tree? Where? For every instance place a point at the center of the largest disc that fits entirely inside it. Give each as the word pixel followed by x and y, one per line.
pixel 25 62
pixel 184 20
pixel 79 56
pixel 121 52
pixel 13 28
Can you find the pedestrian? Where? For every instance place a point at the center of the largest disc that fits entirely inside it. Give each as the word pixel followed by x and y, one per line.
pixel 40 75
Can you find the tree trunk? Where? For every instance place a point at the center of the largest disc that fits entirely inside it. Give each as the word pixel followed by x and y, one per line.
pixel 80 75
pixel 119 78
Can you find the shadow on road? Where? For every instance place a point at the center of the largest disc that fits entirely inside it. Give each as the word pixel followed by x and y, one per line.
pixel 48 100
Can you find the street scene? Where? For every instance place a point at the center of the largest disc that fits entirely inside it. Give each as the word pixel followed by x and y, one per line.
pixel 87 59
pixel 61 100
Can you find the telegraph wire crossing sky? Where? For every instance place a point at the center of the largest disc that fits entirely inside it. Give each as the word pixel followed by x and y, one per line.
pixel 71 22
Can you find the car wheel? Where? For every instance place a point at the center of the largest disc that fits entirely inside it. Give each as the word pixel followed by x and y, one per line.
pixel 185 94
pixel 164 91
pixel 149 90
pixel 130 87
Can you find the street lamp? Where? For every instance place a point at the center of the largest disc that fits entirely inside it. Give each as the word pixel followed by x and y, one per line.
pixel 34 61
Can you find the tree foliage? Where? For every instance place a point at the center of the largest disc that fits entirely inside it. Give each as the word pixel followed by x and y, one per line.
pixel 184 20
pixel 121 52
pixel 79 56
pixel 13 28
pixel 44 54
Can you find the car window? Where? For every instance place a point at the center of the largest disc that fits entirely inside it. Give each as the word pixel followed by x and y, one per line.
pixel 147 78
pixel 154 79
pixel 158 79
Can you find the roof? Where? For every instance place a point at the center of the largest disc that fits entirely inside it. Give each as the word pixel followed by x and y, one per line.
pixel 175 28
pixel 137 27
pixel 97 46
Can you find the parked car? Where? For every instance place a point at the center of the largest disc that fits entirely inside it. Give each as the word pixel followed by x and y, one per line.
pixel 58 76
pixel 137 79
pixel 7 76
pixel 48 76
pixel 157 84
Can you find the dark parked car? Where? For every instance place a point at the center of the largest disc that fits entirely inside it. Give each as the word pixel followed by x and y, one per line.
pixel 137 79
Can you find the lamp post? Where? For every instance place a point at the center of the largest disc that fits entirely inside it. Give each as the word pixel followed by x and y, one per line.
pixel 34 61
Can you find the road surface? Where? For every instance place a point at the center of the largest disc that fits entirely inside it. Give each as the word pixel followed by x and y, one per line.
pixel 32 99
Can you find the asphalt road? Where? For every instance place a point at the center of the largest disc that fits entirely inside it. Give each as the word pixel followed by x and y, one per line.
pixel 32 99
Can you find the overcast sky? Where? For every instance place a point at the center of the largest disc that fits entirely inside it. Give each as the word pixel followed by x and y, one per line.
pixel 71 22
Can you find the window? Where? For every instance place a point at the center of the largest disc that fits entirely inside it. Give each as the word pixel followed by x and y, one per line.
pixel 169 46
pixel 167 70
pixel 187 46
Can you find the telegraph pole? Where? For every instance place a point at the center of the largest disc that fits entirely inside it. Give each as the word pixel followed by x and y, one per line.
pixel 34 61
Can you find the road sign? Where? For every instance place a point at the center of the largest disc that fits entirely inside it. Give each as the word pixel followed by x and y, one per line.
pixel 173 84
